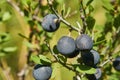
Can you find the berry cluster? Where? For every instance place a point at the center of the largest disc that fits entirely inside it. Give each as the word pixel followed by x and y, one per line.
pixel 83 44
pixel 70 48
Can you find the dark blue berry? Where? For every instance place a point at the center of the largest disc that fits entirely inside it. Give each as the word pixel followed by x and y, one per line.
pixel 42 72
pixel 66 45
pixel 84 42
pixel 90 58
pixel 50 23
pixel 116 63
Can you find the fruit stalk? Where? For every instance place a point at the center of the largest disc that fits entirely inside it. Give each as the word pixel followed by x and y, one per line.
pixel 60 18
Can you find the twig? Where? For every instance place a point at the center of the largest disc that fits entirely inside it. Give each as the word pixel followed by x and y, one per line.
pixel 105 62
pixel 34 17
pixel 22 73
pixel 60 18
pixel 58 60
pixel 23 36
pixel 83 16
pixel 63 64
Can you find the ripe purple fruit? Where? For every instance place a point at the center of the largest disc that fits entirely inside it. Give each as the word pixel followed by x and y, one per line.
pixel 50 23
pixel 66 46
pixel 116 64
pixel 42 72
pixel 90 58
pixel 84 42
pixel 95 76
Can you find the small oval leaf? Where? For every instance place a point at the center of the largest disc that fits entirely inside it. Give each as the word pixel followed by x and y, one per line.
pixel 85 69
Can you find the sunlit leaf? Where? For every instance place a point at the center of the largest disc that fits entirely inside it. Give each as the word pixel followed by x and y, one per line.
pixel 68 11
pixel 89 2
pixel 35 59
pixel 9 49
pixel 44 60
pixel 29 45
pixel 4 37
pixel 60 1
pixel 85 69
pixel 91 9
pixel 6 16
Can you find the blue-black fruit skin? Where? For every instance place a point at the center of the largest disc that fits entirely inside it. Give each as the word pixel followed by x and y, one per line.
pixel 74 54
pixel 95 76
pixel 116 63
pixel 90 58
pixel 42 72
pixel 84 42
pixel 49 24
pixel 66 45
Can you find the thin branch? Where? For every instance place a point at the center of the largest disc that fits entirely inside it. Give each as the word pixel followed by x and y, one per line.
pixel 22 73
pixel 105 62
pixel 23 36
pixel 78 77
pixel 83 16
pixel 60 18
pixel 58 60
pixel 34 17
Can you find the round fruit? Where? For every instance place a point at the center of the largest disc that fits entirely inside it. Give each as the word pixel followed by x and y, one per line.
pixel 116 64
pixel 74 54
pixel 84 42
pixel 90 58
pixel 66 45
pixel 42 72
pixel 50 23
pixel 95 76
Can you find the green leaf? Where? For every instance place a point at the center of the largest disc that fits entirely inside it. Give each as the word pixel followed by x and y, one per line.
pixel 29 45
pixel 91 9
pixel 85 69
pixel 25 2
pixel 60 1
pixel 44 60
pixel 9 49
pixel 44 47
pixel 63 10
pixel 99 42
pixel 55 49
pixel 107 5
pixel 35 59
pixel 90 22
pixel 41 59
pixel 89 2
pixel 116 22
pixel 108 36
pixel 4 37
pixel 6 16
pixel 109 17
pixel 68 12
pixel 62 58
